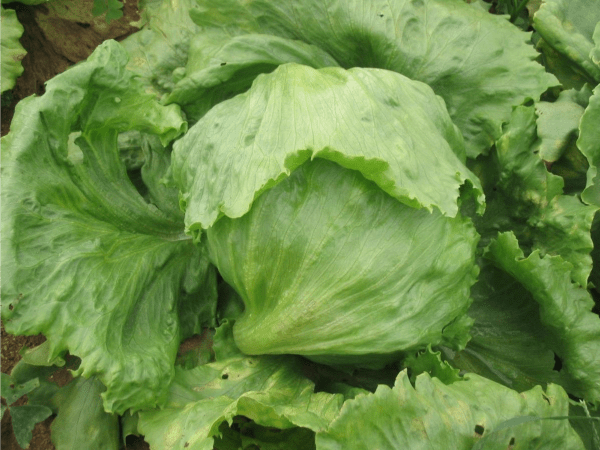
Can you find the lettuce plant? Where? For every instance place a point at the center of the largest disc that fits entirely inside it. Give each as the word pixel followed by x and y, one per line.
pixel 378 206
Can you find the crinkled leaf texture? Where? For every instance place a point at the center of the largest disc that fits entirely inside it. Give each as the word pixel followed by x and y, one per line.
pixel 332 268
pixel 86 260
pixel 589 144
pixel 435 415
pixel 270 390
pixel 573 330
pixel 524 198
pixel 393 130
pixel 511 340
pixel 480 64
pixel 159 51
pixel 12 50
pixel 220 67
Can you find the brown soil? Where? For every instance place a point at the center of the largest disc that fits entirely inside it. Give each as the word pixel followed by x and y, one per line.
pixel 57 35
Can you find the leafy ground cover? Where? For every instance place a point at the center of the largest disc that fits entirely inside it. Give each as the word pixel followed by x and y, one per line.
pixel 274 224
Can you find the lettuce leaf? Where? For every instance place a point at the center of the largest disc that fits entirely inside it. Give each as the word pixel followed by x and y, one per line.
pixel 459 416
pixel 526 199
pixel 86 259
pixel 12 50
pixel 589 144
pixel 270 390
pixel 480 64
pixel 573 330
pixel 568 26
pixel 395 131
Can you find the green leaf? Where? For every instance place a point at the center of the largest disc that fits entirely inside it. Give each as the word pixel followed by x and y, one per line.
pixel 40 356
pixel 509 343
pixel 35 365
pixel 99 8
pixel 568 26
pixel 270 390
pixel 12 50
pixel 112 8
pixel 480 64
pixel 558 122
pixel 586 421
pixel 573 331
pixel 129 425
pixel 506 431
pixel 165 25
pixel 115 10
pixel 81 421
pixel 375 121
pixel 589 144
pixel 220 67
pixel 86 259
pixel 13 391
pixel 325 254
pixel 457 416
pixel 559 65
pixel 526 199
pixel 432 363
pixel 24 419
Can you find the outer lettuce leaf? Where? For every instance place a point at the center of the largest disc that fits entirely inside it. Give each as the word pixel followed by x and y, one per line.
pixel 86 260
pixel 81 421
pixel 220 67
pixel 432 363
pixel 558 122
pixel 569 75
pixel 523 197
pixel 568 26
pixel 589 144
pixel 457 416
pixel 269 390
pixel 395 131
pixel 564 310
pixel 479 63
pixel 12 50
pixel 509 345
pixel 159 51
pixel 325 255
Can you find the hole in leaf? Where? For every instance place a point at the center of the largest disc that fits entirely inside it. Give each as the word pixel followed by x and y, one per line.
pixel 225 376
pixel 186 445
pixel 479 430
pixel 511 444
pixel 11 307
pixel 557 363
pixel 223 63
